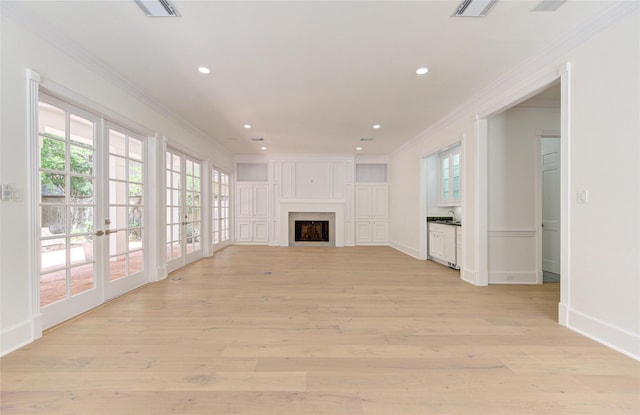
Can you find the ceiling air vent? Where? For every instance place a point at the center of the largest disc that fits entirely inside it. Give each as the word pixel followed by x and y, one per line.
pixel 548 5
pixel 157 8
pixel 257 139
pixel 366 139
pixel 474 8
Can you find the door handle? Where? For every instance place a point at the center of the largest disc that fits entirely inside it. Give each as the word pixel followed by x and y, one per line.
pixel 99 233
pixel 109 232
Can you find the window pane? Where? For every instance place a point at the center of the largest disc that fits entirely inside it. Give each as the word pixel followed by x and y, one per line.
pixel 135 171
pixel 51 120
pixel 53 254
pixel 52 220
pixel 117 267
pixel 81 219
pixel 117 168
pixel 135 148
pixel 53 287
pixel 117 143
pixel 81 278
pixel 81 130
pixel 81 190
pixel 117 193
pixel 52 154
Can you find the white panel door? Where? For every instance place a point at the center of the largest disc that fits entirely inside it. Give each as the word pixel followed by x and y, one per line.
pixel 551 205
pixel 380 202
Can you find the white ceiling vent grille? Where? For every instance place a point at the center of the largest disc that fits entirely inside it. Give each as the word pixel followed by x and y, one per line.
pixel 474 8
pixel 549 5
pixel 157 8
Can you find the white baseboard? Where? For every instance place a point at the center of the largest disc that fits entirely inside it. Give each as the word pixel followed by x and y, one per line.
pixel 20 335
pixel 406 250
pixel 472 277
pixel 513 277
pixel 618 339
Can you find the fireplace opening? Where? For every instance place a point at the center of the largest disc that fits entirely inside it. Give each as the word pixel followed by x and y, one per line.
pixel 312 231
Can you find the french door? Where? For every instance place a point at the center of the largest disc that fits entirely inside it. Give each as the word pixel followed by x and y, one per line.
pixel 183 209
pixel 124 224
pixel 91 210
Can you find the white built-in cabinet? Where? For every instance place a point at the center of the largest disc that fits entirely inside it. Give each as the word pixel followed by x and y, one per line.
pixel 252 212
pixel 442 243
pixel 372 214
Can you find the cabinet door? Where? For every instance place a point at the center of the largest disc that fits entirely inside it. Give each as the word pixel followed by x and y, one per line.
pixel 379 202
pixel 244 201
pixel 243 231
pixel 436 244
pixel 363 202
pixel 260 231
pixel 363 232
pixel 380 232
pixel 260 201
pixel 449 244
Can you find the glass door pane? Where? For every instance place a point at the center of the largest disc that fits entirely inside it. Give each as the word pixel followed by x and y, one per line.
pixel 124 224
pixel 67 203
pixel 174 179
pixel 183 209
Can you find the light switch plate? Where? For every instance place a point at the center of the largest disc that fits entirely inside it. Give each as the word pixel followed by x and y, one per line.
pixel 583 197
pixel 6 192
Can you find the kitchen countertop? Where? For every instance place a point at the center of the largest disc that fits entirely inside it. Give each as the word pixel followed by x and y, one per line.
pixel 443 220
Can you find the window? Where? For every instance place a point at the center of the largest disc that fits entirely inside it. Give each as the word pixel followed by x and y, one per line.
pixel 219 207
pixel 450 177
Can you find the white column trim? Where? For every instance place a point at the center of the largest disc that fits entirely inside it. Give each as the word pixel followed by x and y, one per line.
pixel 33 96
pixel 565 191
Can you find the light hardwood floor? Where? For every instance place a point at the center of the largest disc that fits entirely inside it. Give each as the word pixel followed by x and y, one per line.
pixel 320 331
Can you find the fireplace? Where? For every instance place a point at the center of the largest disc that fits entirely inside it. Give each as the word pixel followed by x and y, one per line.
pixel 311 231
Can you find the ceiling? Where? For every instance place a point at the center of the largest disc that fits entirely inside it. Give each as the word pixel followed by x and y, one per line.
pixel 308 76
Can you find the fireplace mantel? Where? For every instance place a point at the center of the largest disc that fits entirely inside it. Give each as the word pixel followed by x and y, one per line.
pixel 288 206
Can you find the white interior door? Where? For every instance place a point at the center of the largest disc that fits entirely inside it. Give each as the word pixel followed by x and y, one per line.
pixel 70 277
pixel 551 205
pixel 183 209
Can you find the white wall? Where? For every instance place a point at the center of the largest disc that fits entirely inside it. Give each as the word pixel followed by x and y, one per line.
pixel 22 50
pixel 605 161
pixel 512 156
pixel 604 235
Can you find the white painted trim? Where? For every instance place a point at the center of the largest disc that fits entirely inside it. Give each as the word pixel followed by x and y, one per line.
pixel 486 102
pixel 42 28
pixel 537 203
pixel 513 277
pixel 621 340
pixel 511 233
pixel 481 207
pixel 405 250
pixel 16 336
pixel 565 190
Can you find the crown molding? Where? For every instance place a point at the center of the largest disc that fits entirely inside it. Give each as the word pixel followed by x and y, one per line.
pixel 35 24
pixel 491 99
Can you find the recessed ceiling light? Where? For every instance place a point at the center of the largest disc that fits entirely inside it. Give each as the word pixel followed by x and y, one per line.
pixel 359 148
pixel 247 126
pixel 422 71
pixel 263 148
pixel 376 126
pixel 204 70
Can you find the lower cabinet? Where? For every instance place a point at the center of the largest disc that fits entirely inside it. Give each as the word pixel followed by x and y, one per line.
pixel 373 233
pixel 442 243
pixel 252 231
